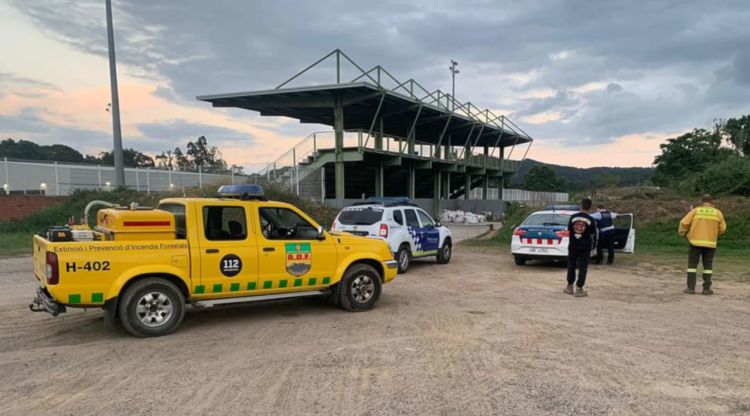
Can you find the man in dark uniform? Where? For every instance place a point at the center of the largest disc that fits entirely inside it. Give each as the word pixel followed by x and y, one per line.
pixel 605 222
pixel 582 232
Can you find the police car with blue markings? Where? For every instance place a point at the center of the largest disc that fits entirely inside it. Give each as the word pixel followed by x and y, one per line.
pixel 410 232
pixel 544 235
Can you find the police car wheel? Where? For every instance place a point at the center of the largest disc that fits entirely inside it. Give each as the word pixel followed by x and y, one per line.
pixel 152 307
pixel 403 257
pixel 444 254
pixel 520 261
pixel 360 288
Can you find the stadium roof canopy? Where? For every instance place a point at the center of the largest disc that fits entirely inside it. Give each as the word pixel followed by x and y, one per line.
pixel 404 107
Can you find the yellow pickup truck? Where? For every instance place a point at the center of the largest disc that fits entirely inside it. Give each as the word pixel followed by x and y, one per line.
pixel 144 265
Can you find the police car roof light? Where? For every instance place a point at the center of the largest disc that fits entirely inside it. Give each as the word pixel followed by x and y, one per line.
pixel 244 192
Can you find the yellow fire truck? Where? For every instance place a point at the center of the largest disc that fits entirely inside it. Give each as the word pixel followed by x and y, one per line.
pixel 144 265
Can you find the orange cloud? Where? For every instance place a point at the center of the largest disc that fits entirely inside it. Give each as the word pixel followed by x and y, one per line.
pixel 629 150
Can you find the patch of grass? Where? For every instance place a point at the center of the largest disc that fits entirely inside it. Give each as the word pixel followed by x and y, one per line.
pixel 14 244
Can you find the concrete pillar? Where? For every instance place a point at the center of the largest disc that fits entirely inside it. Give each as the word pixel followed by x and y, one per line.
pixel 436 192
pixel 338 127
pixel 447 186
pixel 467 185
pixel 379 177
pixel 412 184
pixel 485 186
pixel 379 135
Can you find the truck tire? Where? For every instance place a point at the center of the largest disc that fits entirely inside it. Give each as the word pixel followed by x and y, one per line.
pixel 360 288
pixel 151 307
pixel 403 257
pixel 520 261
pixel 445 252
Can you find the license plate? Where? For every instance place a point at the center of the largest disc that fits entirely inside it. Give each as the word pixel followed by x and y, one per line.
pixel 538 250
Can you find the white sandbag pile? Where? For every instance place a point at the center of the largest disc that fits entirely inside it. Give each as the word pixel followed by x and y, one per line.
pixel 461 217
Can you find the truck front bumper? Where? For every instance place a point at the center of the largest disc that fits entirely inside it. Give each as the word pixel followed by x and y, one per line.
pixel 43 302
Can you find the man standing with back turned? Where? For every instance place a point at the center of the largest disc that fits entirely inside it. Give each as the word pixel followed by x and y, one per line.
pixel 605 222
pixel 581 231
pixel 702 227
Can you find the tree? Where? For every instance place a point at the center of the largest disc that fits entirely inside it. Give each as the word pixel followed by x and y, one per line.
pixel 543 178
pixel 736 131
pixel 729 176
pixel 165 160
pixel 62 153
pixel 130 157
pixel 688 154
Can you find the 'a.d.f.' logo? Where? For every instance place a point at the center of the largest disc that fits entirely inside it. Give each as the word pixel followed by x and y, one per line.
pixel 298 258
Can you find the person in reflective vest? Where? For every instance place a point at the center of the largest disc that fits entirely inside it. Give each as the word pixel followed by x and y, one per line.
pixel 702 227
pixel 605 222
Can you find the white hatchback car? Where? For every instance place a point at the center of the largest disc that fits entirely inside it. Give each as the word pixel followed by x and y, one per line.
pixel 409 231
pixel 543 235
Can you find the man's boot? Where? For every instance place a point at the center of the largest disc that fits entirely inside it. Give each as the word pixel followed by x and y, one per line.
pixel 707 291
pixel 689 291
pixel 580 293
pixel 568 289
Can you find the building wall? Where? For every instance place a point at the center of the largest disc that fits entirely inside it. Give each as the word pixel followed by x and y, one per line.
pixel 16 207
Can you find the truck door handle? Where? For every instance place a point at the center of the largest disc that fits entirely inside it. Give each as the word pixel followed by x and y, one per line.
pixel 269 249
pixel 212 250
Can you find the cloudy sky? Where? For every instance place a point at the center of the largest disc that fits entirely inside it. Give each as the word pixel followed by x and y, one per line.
pixel 595 83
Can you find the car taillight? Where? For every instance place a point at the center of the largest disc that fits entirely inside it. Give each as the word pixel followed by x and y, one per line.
pixel 563 233
pixel 383 231
pixel 333 227
pixel 519 232
pixel 53 269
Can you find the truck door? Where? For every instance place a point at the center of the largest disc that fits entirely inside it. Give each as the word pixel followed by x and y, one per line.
pixel 228 250
pixel 430 241
pixel 624 239
pixel 291 256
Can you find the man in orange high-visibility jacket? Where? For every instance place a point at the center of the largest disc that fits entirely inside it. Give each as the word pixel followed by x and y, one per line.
pixel 702 227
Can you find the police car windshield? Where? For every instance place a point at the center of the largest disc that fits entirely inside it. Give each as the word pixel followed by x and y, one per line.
pixel 360 216
pixel 547 219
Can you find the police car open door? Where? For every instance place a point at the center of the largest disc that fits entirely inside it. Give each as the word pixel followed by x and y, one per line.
pixel 624 239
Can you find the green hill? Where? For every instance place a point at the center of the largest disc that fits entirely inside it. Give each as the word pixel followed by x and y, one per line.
pixel 588 178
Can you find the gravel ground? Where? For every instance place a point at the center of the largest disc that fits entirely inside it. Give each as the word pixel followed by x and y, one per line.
pixel 475 337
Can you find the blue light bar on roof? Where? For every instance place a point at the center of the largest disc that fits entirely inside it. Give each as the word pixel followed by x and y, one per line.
pixel 245 191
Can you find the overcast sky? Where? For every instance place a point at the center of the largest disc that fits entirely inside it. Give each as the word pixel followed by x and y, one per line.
pixel 595 83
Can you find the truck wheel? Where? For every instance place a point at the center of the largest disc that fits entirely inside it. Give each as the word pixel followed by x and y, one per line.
pixel 360 288
pixel 444 254
pixel 152 307
pixel 403 257
pixel 520 261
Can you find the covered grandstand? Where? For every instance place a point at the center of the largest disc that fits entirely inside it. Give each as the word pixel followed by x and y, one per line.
pixel 389 138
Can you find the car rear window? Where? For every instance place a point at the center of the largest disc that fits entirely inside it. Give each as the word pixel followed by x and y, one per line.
pixel 360 216
pixel 547 219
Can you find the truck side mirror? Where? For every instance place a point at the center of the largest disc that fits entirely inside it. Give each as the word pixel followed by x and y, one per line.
pixel 321 233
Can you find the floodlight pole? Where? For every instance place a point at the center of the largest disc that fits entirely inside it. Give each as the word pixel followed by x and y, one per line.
pixel 116 132
pixel 454 71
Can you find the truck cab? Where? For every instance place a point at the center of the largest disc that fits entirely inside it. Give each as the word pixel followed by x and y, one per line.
pixel 144 265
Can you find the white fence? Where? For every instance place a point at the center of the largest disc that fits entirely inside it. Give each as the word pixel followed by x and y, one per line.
pixel 51 178
pixel 520 195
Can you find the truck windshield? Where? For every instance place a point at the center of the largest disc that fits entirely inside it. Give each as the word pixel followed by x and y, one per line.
pixel 360 216
pixel 547 219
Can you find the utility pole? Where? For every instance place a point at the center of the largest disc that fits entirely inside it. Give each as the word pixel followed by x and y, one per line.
pixel 454 71
pixel 116 132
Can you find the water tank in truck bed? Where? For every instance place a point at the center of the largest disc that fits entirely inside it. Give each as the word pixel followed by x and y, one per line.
pixel 122 224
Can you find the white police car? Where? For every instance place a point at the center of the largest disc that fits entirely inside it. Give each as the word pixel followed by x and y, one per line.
pixel 409 231
pixel 543 235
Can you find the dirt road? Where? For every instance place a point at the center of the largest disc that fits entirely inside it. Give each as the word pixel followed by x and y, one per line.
pixel 478 336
